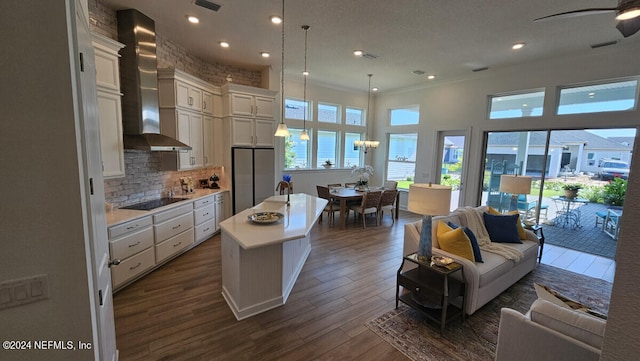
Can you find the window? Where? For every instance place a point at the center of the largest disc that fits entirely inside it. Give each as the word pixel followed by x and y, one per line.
pixel 401 160
pixel 294 109
pixel 609 97
pixel 516 105
pixel 296 151
pixel 354 116
pixel 328 113
pixel 405 116
pixel 351 153
pixel 327 147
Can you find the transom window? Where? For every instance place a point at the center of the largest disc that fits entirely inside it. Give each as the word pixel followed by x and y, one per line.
pixel 405 116
pixel 328 113
pixel 516 105
pixel 354 116
pixel 609 97
pixel 295 109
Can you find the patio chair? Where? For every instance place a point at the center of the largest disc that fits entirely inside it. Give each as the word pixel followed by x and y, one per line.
pixel 612 223
pixel 388 203
pixel 525 207
pixel 600 218
pixel 332 207
pixel 369 205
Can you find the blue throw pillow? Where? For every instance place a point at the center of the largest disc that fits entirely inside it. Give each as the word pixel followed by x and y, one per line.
pixel 477 255
pixel 502 228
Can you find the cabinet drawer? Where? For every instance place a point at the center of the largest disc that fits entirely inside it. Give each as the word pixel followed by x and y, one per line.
pixel 205 230
pixel 131 244
pixel 128 227
pixel 173 212
pixel 170 228
pixel 203 201
pixel 132 267
pixel 204 214
pixel 174 245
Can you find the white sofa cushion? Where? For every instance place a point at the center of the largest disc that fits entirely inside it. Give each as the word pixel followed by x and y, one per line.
pixel 578 325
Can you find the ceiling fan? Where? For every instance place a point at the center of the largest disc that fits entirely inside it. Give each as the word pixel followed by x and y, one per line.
pixel 627 12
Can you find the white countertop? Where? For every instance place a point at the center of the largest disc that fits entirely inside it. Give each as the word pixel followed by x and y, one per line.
pixel 120 215
pixel 299 217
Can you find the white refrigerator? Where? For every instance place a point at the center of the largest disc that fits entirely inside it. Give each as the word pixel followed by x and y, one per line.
pixel 253 176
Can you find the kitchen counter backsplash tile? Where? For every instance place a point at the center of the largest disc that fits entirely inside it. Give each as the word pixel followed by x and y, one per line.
pixel 144 180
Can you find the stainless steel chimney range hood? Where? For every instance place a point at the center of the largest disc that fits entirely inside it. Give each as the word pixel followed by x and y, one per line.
pixel 139 84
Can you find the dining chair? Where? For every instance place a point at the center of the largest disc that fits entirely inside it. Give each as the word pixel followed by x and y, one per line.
pixel 388 203
pixel 369 205
pixel 334 185
pixel 390 184
pixel 282 185
pixel 332 206
pixel 350 185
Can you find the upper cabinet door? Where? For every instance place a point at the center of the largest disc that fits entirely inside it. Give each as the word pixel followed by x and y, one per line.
pixel 242 104
pixel 264 107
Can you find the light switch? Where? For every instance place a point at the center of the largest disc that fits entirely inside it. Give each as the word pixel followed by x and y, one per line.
pixel 20 292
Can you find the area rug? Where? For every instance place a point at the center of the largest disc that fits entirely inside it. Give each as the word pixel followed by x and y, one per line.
pixel 410 332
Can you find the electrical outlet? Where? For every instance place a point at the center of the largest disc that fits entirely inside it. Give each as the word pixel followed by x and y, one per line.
pixel 22 291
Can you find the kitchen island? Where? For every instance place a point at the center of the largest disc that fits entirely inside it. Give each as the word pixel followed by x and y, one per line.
pixel 261 262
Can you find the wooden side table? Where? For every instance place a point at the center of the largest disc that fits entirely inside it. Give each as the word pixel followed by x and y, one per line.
pixel 537 229
pixel 429 289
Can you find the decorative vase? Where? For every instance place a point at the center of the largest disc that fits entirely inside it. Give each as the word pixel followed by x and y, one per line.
pixel 327 166
pixel 570 193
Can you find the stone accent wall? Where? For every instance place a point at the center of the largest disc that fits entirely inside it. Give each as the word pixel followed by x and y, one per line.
pixel 144 178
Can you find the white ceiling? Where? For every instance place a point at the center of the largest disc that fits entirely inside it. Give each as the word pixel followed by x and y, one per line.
pixel 441 37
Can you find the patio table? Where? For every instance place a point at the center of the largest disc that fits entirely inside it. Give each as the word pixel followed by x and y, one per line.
pixel 568 213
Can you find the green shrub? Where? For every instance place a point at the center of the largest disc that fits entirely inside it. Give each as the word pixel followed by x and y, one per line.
pixel 615 191
pixel 595 194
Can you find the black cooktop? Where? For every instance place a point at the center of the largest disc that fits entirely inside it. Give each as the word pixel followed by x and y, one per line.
pixel 156 203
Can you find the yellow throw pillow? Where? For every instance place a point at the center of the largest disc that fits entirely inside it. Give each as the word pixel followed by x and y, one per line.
pixel 454 241
pixel 521 232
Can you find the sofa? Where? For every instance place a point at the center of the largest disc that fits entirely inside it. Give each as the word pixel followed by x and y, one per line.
pixel 549 332
pixel 484 281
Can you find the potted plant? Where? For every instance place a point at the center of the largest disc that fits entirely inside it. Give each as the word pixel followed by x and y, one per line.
pixel 327 164
pixel 571 190
pixel 362 174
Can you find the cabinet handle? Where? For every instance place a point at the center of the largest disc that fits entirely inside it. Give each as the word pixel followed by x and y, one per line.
pixel 256 113
pixel 206 214
pixel 190 101
pixel 206 229
pixel 136 266
pixel 204 104
pixel 177 244
pixel 133 227
pixel 135 244
pixel 176 227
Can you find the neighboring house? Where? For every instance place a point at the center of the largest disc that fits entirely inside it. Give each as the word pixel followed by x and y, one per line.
pixel 573 150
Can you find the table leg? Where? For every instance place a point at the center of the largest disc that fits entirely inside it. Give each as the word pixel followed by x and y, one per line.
pixel 343 211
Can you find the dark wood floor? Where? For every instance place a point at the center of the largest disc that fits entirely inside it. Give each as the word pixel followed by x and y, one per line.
pixel 178 313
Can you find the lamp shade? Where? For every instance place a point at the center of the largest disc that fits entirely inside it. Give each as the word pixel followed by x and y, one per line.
pixel 429 199
pixel 515 184
pixel 282 130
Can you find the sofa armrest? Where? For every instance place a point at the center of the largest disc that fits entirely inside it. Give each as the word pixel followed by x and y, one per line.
pixel 519 338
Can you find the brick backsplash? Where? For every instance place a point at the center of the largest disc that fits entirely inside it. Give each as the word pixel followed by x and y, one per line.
pixel 145 179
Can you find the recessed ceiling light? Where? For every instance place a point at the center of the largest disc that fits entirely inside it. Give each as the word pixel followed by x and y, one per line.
pixel 358 52
pixel 305 73
pixel 224 44
pixel 375 89
pixel 431 77
pixel 518 46
pixel 264 54
pixel 193 19
pixel 276 19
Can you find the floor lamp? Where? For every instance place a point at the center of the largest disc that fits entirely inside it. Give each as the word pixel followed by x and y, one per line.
pixel 514 185
pixel 429 200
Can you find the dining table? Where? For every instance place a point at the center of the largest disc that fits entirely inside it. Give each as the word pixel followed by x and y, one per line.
pixel 345 195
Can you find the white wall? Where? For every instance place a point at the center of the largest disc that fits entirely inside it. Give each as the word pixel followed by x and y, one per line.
pixel 462 105
pixel 42 231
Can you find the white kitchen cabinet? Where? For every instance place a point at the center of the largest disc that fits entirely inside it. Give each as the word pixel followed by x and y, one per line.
pixel 109 105
pixel 173 231
pixel 204 215
pixel 187 112
pixel 249 115
pixel 220 207
pixel 186 127
pixel 132 244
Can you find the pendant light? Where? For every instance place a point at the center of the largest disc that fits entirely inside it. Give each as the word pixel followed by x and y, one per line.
pixel 366 143
pixel 282 130
pixel 304 135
